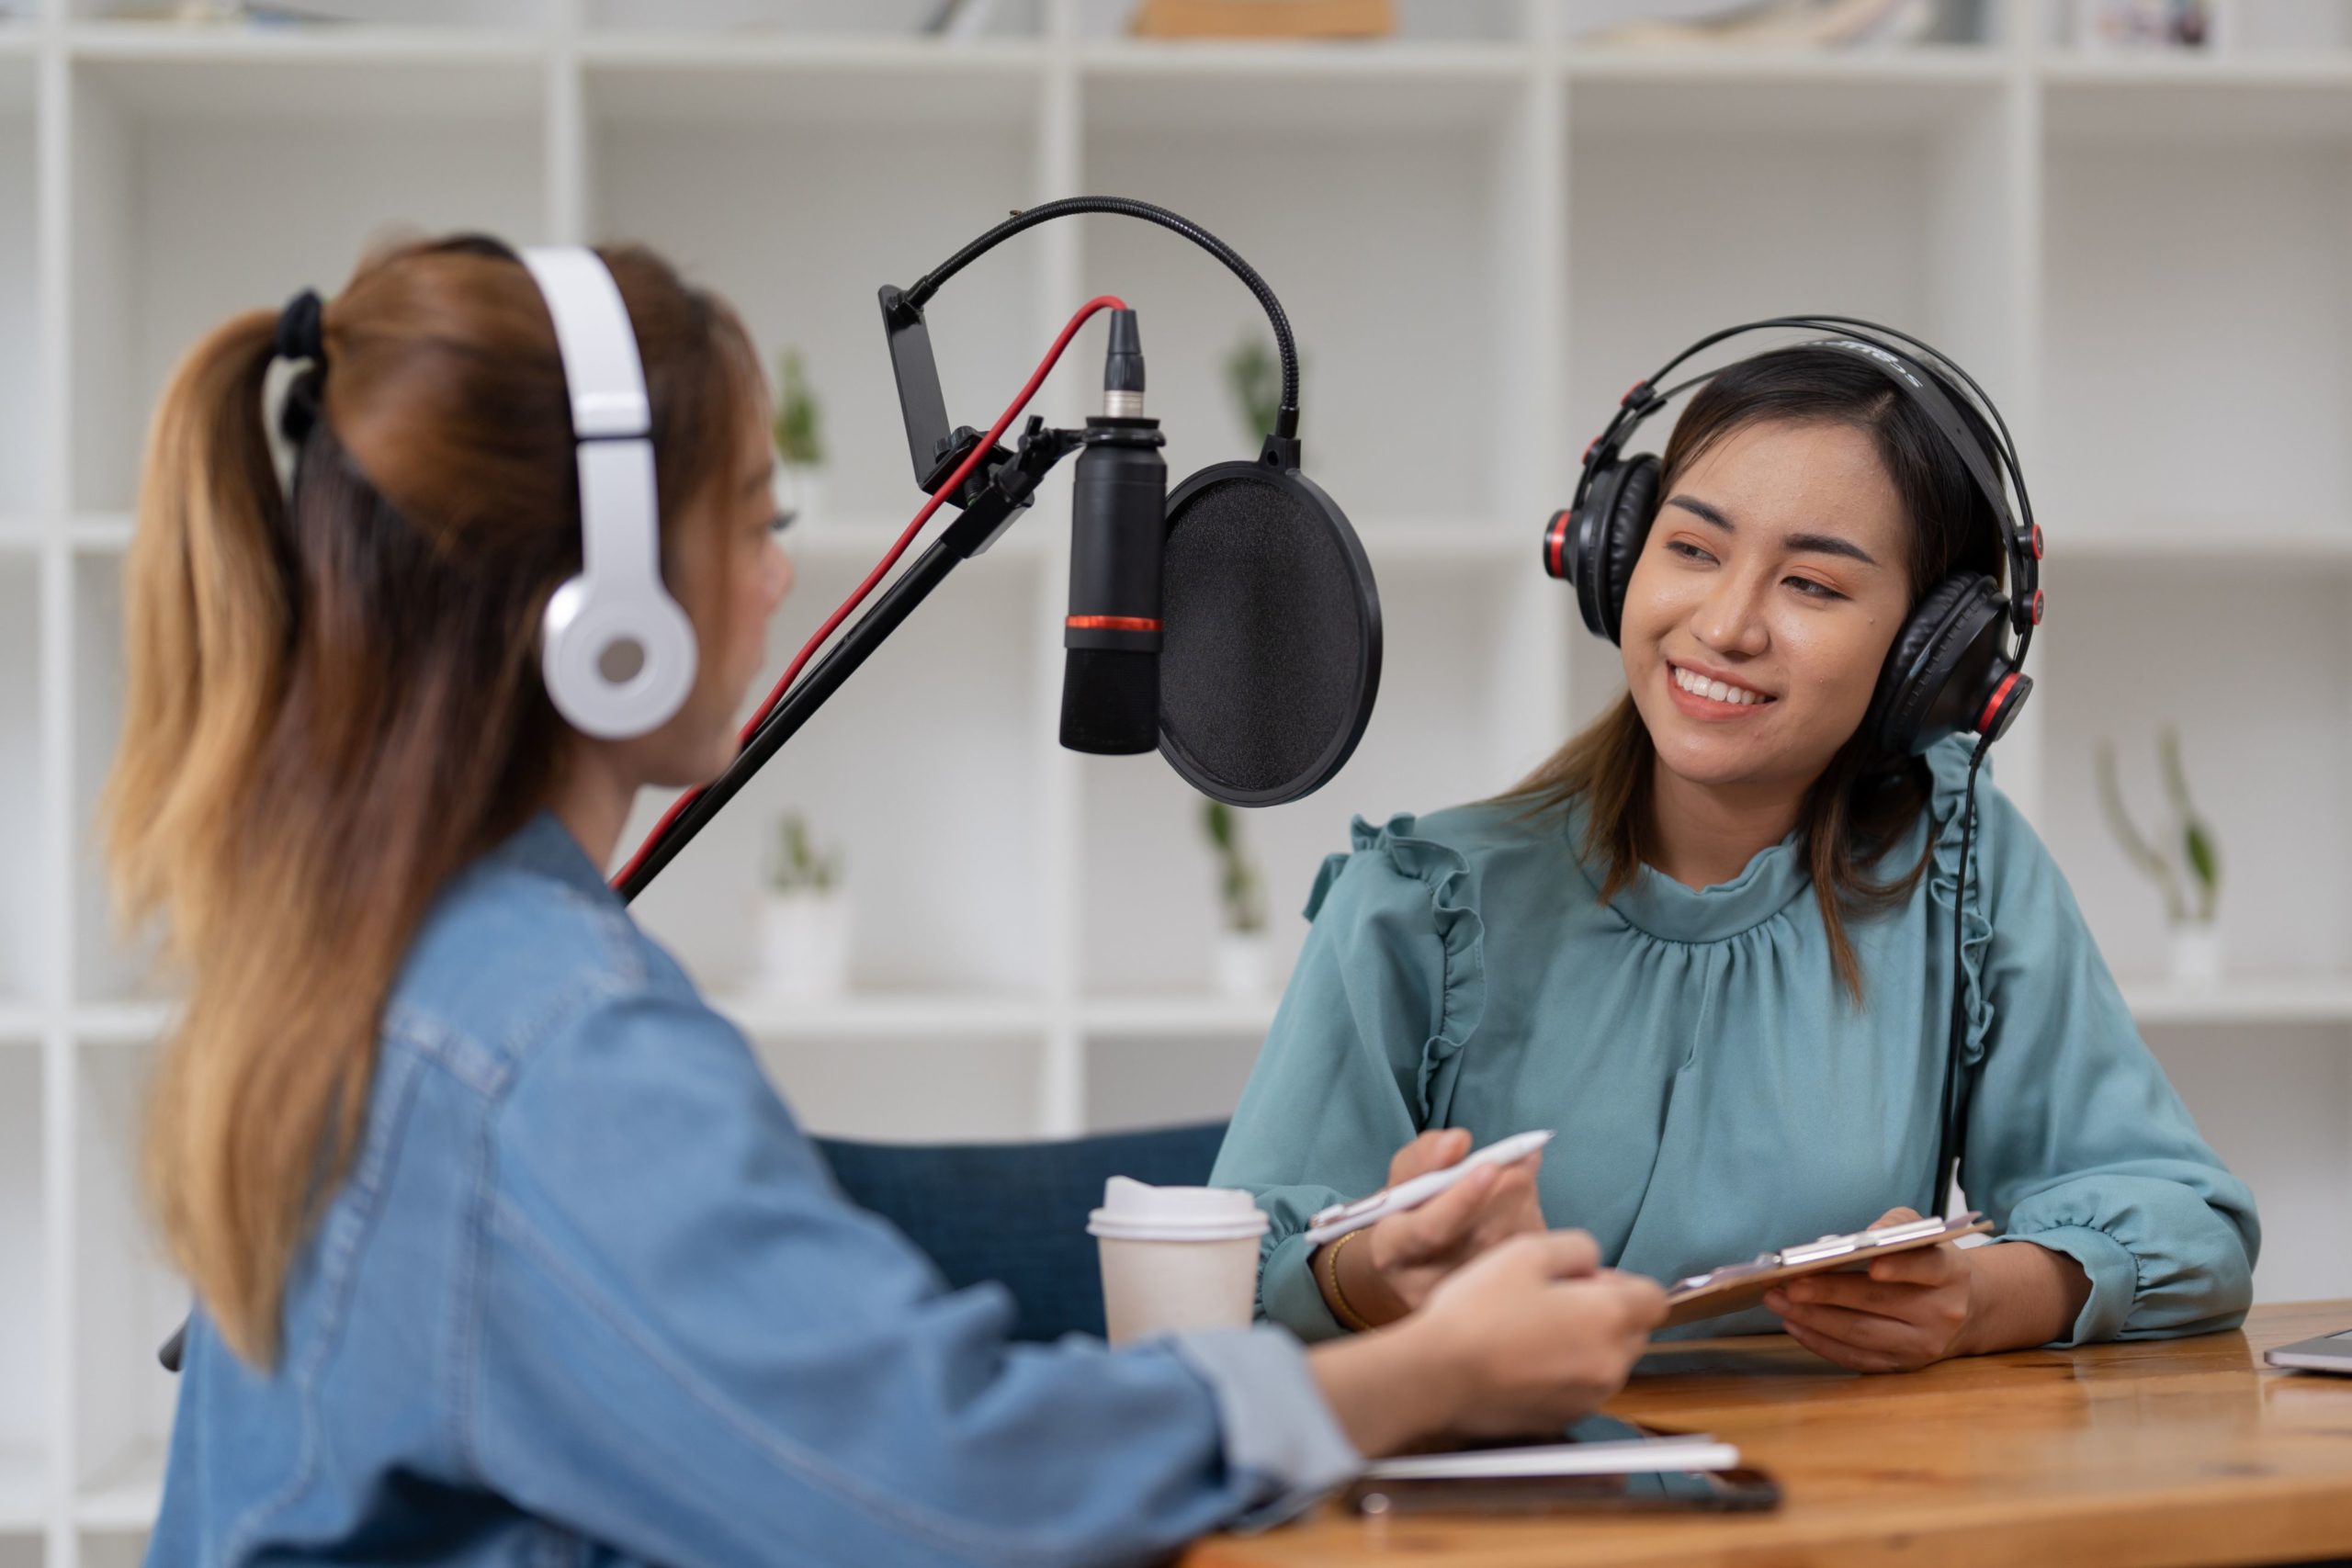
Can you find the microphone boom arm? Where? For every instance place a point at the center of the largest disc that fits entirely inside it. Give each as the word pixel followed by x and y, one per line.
pixel 1009 489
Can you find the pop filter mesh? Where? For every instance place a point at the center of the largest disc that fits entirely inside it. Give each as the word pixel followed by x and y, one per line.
pixel 1270 660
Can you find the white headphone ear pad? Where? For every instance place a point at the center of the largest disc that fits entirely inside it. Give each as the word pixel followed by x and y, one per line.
pixel 617 652
pixel 584 623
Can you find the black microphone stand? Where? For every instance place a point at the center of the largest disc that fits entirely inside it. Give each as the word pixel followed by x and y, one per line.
pixel 1008 488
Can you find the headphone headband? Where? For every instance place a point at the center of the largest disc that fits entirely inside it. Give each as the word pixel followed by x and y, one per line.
pixel 1929 390
pixel 616 651
pixel 601 373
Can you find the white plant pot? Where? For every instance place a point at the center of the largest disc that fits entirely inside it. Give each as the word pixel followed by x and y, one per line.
pixel 801 492
pixel 803 945
pixel 1244 966
pixel 2197 956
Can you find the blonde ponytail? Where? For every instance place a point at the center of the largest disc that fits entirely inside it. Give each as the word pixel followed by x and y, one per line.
pixel 206 617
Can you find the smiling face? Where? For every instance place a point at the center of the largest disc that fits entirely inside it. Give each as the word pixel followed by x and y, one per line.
pixel 1767 595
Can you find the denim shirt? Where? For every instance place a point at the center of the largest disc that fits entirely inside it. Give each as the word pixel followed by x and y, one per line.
pixel 587 1294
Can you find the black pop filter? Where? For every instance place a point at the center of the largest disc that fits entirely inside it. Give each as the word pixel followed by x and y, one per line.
pixel 1271 659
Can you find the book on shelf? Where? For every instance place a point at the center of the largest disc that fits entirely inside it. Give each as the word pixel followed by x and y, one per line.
pixel 229 13
pixel 1265 18
pixel 960 21
pixel 1767 25
pixel 2121 26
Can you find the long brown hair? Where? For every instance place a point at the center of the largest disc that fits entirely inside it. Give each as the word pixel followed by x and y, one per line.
pixel 334 701
pixel 1864 802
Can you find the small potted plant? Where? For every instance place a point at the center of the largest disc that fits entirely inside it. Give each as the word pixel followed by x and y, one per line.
pixel 1244 966
pixel 803 927
pixel 799 442
pixel 2184 861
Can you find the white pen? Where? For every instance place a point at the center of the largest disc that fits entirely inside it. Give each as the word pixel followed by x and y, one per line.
pixel 1331 1224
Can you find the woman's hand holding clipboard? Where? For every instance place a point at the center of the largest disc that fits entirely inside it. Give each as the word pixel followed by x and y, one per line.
pixel 1738 1286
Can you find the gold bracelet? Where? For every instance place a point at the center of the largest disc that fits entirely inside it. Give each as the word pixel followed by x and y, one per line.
pixel 1350 1319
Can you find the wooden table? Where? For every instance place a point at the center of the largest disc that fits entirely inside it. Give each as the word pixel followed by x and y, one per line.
pixel 2175 1452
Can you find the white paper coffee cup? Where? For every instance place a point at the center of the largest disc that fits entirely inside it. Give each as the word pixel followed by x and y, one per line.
pixel 1176 1258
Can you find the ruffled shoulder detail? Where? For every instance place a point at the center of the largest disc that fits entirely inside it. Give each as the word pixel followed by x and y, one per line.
pixel 1444 872
pixel 1948 769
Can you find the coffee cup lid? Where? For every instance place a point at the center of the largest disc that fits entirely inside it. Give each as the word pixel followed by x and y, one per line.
pixel 1137 1210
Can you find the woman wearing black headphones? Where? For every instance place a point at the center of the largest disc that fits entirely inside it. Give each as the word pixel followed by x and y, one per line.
pixel 1712 942
pixel 504 1250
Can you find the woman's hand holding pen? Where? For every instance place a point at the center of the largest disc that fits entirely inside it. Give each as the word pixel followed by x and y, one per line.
pixel 1389 1269
pixel 1525 1338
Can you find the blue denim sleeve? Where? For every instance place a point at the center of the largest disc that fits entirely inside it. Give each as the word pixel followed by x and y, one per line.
pixel 690 1347
pixel 1275 1419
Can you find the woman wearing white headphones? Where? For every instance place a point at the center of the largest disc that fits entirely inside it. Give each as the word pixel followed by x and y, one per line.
pixel 1712 942
pixel 503 1249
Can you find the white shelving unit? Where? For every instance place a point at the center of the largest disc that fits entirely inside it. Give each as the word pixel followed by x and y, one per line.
pixel 1484 228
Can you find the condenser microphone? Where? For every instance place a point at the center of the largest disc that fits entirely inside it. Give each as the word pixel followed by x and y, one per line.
pixel 1118 526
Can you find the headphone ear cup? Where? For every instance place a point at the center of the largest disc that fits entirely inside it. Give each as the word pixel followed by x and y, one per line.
pixel 1943 660
pixel 648 636
pixel 1625 529
pixel 1604 539
pixel 1586 526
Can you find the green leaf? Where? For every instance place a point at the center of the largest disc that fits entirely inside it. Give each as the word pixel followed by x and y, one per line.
pixel 2127 836
pixel 1255 380
pixel 2203 860
pixel 799 432
pixel 796 861
pixel 1237 876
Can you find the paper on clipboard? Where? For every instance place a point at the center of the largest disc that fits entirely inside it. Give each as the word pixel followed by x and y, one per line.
pixel 1738 1286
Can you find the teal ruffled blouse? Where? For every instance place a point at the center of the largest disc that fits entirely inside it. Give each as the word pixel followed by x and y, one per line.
pixel 1714 1090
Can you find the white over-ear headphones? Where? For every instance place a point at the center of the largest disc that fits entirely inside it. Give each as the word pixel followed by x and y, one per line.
pixel 617 652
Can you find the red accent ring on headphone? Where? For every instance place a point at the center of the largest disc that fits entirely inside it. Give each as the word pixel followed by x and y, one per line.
pixel 2000 698
pixel 1111 624
pixel 2037 607
pixel 2037 541
pixel 1556 543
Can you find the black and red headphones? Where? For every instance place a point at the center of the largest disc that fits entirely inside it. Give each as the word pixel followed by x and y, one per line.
pixel 1949 668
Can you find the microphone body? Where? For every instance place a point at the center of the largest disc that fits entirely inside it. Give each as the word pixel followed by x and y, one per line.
pixel 1118 529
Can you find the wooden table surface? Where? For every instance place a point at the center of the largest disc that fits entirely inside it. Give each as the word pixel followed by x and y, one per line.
pixel 2173 1453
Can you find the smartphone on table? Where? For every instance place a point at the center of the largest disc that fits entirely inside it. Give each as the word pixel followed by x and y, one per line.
pixel 1492 1489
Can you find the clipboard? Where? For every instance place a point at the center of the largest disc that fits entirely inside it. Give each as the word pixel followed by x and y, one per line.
pixel 1738 1286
